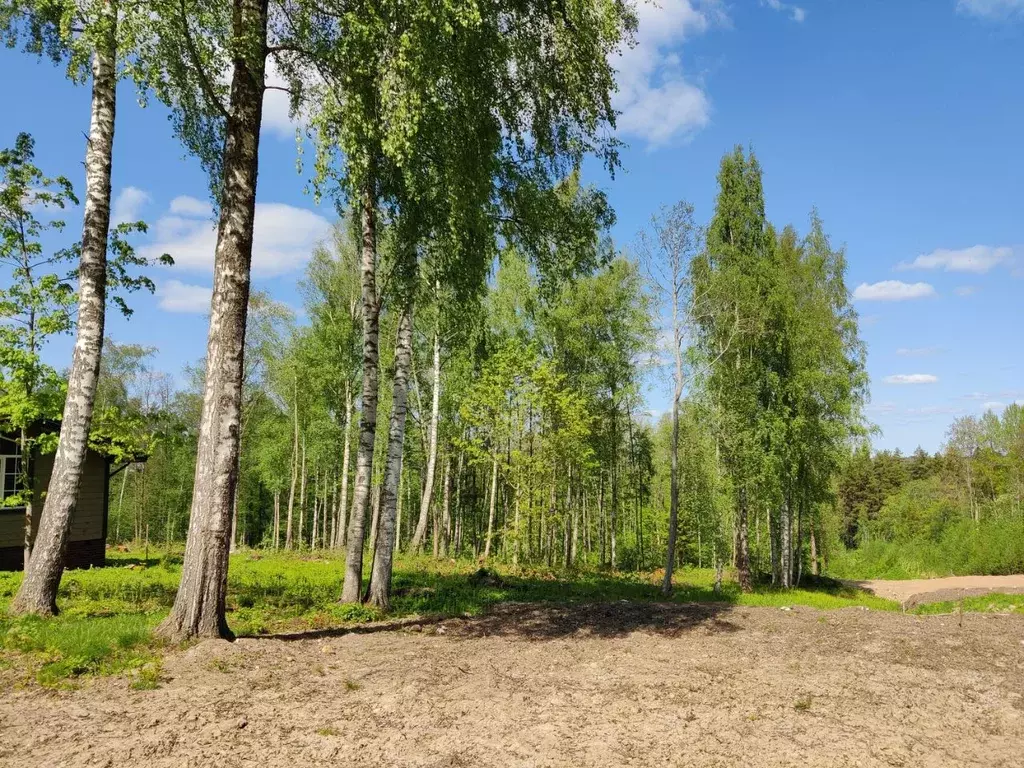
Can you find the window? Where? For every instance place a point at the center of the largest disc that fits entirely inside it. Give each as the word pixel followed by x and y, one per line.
pixel 10 467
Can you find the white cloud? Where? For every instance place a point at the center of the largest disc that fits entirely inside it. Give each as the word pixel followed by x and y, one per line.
pixel 965 290
pixel 796 13
pixel 892 290
pixel 990 9
pixel 917 351
pixel 978 259
pixel 911 378
pixel 277 117
pixel 176 296
pixel 128 205
pixel 283 239
pixel 657 101
pixel 993 405
pixel 185 205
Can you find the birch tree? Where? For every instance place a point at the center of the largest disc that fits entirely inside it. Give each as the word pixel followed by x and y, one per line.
pixel 93 32
pixel 668 250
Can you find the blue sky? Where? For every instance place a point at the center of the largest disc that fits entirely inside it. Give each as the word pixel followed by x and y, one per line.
pixel 901 121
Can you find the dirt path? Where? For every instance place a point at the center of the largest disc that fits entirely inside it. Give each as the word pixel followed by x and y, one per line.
pixel 606 685
pixel 913 592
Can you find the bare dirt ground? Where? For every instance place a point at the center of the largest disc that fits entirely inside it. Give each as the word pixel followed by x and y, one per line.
pixel 601 685
pixel 913 592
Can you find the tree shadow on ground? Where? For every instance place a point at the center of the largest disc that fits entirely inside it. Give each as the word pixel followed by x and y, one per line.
pixel 552 621
pixel 600 620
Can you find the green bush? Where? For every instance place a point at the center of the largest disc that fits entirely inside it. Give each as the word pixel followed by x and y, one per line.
pixel 992 547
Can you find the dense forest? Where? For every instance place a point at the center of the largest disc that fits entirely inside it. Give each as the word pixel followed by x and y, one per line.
pixel 468 374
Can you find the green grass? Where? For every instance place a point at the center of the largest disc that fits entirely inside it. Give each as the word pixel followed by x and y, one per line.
pixel 991 603
pixel 55 651
pixel 107 614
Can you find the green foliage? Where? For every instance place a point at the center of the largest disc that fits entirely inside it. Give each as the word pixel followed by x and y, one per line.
pixel 958 512
pixel 36 302
pixel 962 548
pixel 780 368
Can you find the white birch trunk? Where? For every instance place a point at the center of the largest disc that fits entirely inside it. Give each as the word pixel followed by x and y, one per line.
pixel 350 592
pixel 199 608
pixel 343 501
pixel 379 591
pixel 38 591
pixel 490 510
pixel 428 486
pixel 295 466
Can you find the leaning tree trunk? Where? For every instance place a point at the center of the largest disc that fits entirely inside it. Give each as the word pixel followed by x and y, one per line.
pixel 350 592
pixel 428 484
pixel 199 605
pixel 38 591
pixel 379 590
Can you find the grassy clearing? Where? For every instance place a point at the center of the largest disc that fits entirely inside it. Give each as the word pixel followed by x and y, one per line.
pixel 108 613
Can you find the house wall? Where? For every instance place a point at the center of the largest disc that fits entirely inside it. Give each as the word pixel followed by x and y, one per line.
pixel 87 543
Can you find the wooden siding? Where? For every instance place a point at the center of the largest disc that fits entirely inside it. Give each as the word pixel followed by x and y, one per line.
pixel 89 520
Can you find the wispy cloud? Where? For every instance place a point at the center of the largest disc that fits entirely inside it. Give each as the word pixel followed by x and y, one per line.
pixel 892 290
pixel 917 351
pixel 978 259
pixel 796 13
pixel 911 378
pixel 176 296
pixel 991 9
pixel 966 290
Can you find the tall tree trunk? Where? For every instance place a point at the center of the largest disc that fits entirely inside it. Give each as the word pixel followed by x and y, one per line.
pixel 38 591
pixel 673 493
pixel 742 548
pixel 350 592
pixel 300 534
pixel 428 485
pixel 343 501
pixel 295 465
pixel 443 534
pixel 277 518
pixel 234 517
pixel 814 552
pixel 490 509
pixel 316 510
pixel 379 590
pixel 25 484
pixel 398 506
pixel 199 606
pixel 374 517
pixel 602 524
